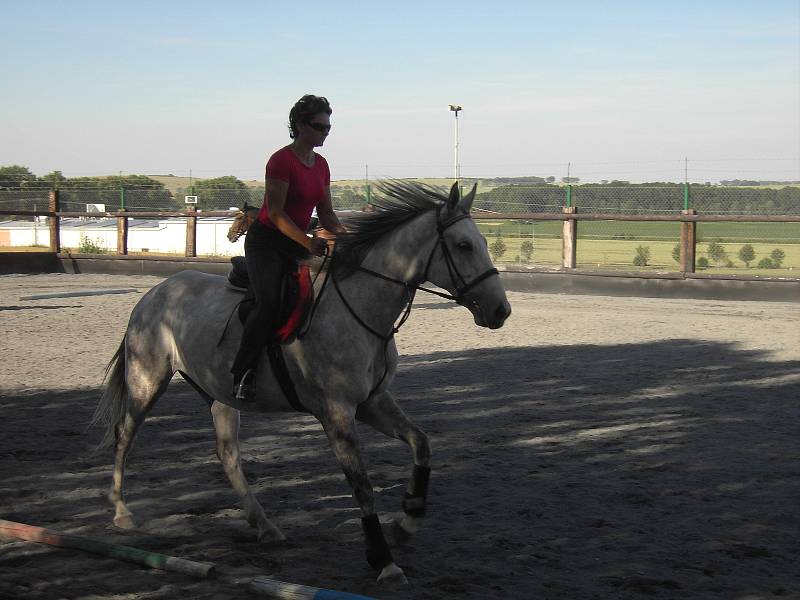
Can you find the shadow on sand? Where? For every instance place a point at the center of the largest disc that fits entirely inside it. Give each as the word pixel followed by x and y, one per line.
pixel 667 469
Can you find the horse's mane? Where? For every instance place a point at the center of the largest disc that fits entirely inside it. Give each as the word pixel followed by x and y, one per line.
pixel 398 203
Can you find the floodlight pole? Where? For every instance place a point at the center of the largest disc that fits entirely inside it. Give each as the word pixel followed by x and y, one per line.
pixel 456 108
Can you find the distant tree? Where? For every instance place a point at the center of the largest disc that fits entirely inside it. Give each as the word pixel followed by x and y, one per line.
pixel 702 262
pixel 15 176
pixel 766 263
pixel 139 193
pixel 550 179
pixel 498 247
pixel 570 179
pixel 676 253
pixel 54 178
pixel 747 254
pixel 642 257
pixel 716 252
pixel 777 257
pixel 221 193
pixel 526 250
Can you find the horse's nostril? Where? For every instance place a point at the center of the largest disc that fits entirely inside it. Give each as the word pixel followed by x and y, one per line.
pixel 502 311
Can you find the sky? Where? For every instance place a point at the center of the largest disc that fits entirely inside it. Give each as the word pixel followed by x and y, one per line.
pixel 599 90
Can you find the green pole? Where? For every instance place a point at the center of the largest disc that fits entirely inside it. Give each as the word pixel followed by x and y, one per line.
pixel 686 196
pixel 569 196
pixel 163 562
pixel 121 193
pixel 366 182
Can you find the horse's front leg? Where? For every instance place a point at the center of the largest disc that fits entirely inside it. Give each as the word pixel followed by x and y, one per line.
pixel 226 424
pixel 383 414
pixel 340 427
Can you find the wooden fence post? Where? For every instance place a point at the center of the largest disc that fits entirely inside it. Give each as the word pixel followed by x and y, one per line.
pixel 191 231
pixel 53 223
pixel 569 239
pixel 688 242
pixel 122 235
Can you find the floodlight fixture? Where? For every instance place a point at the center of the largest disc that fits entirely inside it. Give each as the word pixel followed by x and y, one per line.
pixel 455 108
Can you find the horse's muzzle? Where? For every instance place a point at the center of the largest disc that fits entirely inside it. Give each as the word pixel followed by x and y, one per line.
pixel 492 318
pixel 499 316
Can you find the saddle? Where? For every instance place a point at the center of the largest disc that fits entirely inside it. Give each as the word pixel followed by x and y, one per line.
pixel 297 297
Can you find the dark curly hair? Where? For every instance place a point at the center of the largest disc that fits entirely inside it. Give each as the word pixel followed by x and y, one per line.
pixel 305 109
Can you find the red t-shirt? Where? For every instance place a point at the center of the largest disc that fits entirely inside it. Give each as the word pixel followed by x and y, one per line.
pixel 306 185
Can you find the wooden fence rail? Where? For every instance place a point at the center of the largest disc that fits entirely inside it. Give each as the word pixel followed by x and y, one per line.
pixel 569 215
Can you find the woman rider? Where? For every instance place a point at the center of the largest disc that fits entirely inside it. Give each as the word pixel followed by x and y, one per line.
pixel 297 180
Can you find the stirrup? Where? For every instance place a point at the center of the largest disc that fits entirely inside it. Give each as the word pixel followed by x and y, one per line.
pixel 245 391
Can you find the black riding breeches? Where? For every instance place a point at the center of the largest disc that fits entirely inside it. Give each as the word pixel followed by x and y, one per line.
pixel 270 255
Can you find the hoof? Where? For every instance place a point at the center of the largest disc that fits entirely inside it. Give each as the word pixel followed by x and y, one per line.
pixel 270 535
pixel 392 576
pixel 125 522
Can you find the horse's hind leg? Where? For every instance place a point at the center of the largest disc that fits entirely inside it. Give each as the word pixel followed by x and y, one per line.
pixel 226 424
pixel 145 383
pixel 383 414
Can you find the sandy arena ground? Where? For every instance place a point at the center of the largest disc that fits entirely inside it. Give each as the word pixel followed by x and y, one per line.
pixel 594 447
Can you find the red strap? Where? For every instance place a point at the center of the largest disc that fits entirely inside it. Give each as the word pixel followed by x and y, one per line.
pixel 304 297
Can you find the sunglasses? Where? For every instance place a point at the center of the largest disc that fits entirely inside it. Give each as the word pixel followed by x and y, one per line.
pixel 321 127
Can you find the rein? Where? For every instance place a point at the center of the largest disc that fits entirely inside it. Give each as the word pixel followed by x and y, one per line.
pixel 459 283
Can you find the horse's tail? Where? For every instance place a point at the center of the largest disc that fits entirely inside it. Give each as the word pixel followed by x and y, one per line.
pixel 113 404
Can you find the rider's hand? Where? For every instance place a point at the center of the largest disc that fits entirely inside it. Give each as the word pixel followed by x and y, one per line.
pixel 317 246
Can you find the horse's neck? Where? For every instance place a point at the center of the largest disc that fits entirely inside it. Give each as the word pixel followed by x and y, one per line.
pixel 403 253
pixel 402 256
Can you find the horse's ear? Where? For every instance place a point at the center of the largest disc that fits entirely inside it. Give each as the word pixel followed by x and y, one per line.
pixel 452 201
pixel 466 202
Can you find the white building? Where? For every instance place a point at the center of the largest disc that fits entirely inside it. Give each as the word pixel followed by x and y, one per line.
pixel 164 236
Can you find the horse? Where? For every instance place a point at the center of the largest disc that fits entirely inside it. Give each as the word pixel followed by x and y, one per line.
pixel 183 325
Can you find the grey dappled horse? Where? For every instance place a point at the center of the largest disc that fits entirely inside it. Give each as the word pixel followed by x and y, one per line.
pixel 416 234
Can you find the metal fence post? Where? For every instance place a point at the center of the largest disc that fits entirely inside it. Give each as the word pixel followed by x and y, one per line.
pixel 53 222
pixel 569 239
pixel 191 231
pixel 688 242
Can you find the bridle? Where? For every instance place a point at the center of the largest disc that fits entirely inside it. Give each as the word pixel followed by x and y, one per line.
pixel 459 283
pixel 456 278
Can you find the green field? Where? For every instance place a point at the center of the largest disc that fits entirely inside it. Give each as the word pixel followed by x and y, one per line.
pixel 745 233
pixel 613 245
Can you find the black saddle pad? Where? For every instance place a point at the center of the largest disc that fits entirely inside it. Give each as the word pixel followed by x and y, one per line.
pixel 238 275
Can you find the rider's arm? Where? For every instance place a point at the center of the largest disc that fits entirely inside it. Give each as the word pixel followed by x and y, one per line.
pixel 275 195
pixel 328 218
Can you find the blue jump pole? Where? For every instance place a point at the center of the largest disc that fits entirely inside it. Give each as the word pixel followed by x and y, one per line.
pixel 292 591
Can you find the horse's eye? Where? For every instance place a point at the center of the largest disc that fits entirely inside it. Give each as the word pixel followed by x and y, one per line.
pixel 464 246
